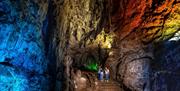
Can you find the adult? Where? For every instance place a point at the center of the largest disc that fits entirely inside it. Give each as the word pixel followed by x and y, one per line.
pixel 107 75
pixel 100 74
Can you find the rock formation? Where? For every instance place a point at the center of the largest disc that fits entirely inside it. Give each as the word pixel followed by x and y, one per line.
pixel 23 63
pixel 44 43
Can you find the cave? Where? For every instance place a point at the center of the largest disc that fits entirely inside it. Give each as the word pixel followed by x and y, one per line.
pixel 60 45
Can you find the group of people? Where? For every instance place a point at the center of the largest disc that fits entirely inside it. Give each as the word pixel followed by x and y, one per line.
pixel 103 74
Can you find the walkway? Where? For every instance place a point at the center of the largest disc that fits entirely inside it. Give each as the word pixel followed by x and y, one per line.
pixel 108 86
pixel 104 86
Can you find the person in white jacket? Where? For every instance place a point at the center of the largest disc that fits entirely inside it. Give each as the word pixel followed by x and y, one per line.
pixel 107 75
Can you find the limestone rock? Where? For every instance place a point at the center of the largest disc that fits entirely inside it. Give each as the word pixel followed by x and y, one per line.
pixel 21 47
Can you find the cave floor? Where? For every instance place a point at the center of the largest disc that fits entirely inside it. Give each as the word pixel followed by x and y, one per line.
pixel 103 86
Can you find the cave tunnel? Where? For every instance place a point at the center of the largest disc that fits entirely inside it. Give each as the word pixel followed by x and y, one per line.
pixel 60 45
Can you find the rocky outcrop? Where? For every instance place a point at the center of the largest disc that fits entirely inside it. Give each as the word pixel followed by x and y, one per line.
pixel 130 63
pixel 23 64
pixel 78 31
pixel 138 24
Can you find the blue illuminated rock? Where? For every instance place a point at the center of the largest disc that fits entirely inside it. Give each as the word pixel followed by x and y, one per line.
pixel 16 79
pixel 23 63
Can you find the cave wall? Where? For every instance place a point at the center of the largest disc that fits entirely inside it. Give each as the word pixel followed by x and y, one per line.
pixel 138 25
pixel 77 35
pixel 166 67
pixel 23 63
